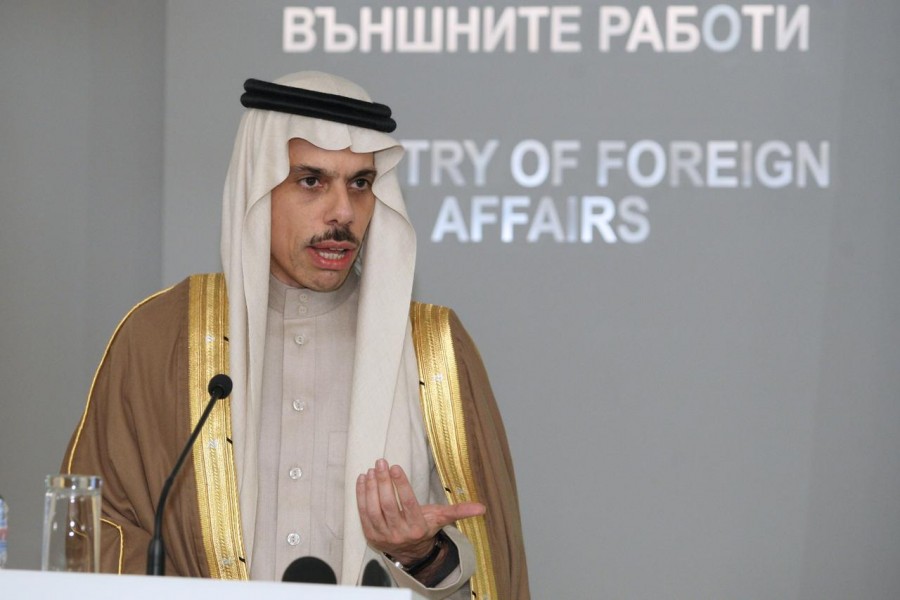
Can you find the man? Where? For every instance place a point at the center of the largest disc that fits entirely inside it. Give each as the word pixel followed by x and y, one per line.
pixel 355 417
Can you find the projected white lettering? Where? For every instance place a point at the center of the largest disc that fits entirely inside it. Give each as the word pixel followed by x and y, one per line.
pixel 433 29
pixel 721 28
pixel 527 169
pixel 545 28
pixel 578 219
pixel 715 164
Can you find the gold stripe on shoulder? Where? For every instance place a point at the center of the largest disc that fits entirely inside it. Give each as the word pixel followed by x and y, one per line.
pixel 87 405
pixel 446 427
pixel 214 468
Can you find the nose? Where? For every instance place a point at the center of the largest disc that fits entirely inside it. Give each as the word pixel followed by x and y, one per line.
pixel 340 208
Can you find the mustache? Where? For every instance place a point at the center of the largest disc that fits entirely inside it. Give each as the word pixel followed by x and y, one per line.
pixel 340 233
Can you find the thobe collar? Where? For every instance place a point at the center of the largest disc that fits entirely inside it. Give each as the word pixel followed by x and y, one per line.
pixel 302 303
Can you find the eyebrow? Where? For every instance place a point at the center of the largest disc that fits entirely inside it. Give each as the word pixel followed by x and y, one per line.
pixel 319 171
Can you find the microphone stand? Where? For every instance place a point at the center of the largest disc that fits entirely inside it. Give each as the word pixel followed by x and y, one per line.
pixel 219 387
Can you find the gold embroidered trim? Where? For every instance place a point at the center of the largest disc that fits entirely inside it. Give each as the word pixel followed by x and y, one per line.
pixel 217 494
pixel 121 542
pixel 445 423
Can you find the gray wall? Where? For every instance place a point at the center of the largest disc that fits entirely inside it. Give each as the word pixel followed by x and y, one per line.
pixel 709 411
pixel 81 113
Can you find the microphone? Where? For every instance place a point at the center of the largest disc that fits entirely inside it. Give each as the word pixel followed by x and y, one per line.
pixel 219 387
pixel 309 569
pixel 374 575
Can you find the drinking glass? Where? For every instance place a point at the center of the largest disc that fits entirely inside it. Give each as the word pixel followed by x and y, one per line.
pixel 72 523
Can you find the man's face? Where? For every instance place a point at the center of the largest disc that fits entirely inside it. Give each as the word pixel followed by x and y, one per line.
pixel 320 214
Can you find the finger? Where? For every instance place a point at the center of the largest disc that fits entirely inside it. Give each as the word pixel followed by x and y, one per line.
pixel 373 503
pixel 464 510
pixel 361 507
pixel 361 494
pixel 387 496
pixel 408 500
pixel 440 515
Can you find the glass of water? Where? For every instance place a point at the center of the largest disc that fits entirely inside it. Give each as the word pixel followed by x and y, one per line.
pixel 72 523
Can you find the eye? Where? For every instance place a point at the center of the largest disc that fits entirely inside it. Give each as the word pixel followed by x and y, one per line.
pixel 360 183
pixel 309 181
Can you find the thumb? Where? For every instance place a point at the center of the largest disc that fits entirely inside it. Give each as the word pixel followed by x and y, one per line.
pixel 440 515
pixel 464 510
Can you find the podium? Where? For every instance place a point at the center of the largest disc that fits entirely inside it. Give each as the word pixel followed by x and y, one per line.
pixel 16 584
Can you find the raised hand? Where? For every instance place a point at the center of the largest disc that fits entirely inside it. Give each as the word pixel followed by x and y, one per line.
pixel 392 519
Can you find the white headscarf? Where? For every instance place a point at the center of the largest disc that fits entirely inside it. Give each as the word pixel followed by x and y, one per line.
pixel 382 373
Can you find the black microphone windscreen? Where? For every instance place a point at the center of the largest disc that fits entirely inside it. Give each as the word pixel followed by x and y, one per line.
pixel 374 575
pixel 219 386
pixel 309 569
